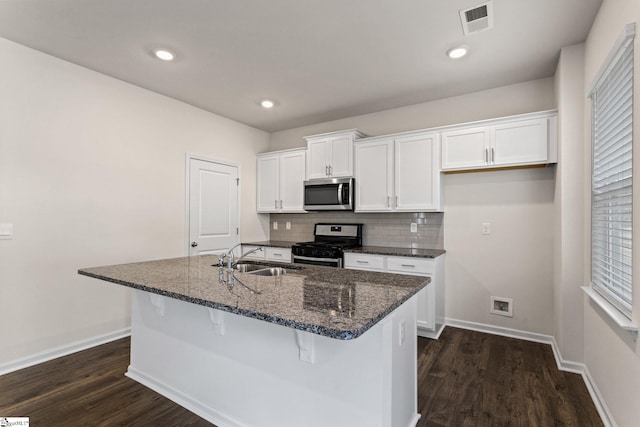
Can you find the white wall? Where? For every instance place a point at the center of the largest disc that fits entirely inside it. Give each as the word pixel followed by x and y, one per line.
pixel 503 101
pixel 569 205
pixel 516 260
pixel 92 172
pixel 612 356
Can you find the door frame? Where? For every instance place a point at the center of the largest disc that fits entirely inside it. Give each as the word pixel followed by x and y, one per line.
pixel 187 171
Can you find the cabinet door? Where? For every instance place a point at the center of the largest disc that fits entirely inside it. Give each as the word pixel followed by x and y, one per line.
pixel 318 152
pixel 267 185
pixel 520 142
pixel 341 163
pixel 292 167
pixel 465 148
pixel 374 176
pixel 417 173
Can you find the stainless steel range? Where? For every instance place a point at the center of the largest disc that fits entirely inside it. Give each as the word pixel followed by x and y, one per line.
pixel 328 245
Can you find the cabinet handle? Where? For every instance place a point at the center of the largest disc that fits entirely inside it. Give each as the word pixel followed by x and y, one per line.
pixel 276 254
pixel 275 204
pixel 388 201
pixel 396 201
pixel 330 170
pixel 362 262
pixel 493 155
pixel 280 204
pixel 326 170
pixel 486 155
pixel 408 265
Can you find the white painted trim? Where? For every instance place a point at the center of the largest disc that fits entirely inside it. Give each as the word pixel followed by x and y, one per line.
pixel 64 350
pixel 187 181
pixel 598 400
pixel 193 405
pixel 563 365
pixel 498 330
pixel 626 37
pixel 620 319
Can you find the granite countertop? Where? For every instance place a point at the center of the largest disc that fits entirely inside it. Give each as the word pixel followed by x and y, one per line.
pixel 373 250
pixel 333 302
pixel 272 243
pixel 410 252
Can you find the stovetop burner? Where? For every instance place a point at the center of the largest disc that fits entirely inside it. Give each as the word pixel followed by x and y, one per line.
pixel 330 240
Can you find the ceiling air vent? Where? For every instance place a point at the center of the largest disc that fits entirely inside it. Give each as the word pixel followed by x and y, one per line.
pixel 476 19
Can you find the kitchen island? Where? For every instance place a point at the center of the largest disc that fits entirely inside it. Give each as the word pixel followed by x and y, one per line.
pixel 317 346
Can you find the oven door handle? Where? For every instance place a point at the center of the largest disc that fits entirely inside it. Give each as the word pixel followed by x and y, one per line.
pixel 308 258
pixel 340 194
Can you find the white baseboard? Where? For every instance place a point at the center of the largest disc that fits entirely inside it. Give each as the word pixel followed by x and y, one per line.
pixel 563 365
pixel 64 350
pixel 193 405
pixel 598 400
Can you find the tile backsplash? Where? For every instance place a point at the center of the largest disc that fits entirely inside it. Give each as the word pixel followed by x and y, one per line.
pixel 380 229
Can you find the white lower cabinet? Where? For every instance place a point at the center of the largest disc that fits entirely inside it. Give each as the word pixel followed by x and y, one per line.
pixel 430 316
pixel 268 253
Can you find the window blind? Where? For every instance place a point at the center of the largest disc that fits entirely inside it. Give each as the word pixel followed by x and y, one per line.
pixel 612 175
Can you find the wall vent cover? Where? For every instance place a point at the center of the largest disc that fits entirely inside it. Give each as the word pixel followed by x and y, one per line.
pixel 477 18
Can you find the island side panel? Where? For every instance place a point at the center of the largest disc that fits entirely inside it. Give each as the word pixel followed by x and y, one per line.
pixel 238 371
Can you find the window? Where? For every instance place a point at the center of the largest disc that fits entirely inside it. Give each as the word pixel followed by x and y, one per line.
pixel 612 175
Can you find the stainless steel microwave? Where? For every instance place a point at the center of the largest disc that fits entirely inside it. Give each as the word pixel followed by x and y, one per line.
pixel 331 194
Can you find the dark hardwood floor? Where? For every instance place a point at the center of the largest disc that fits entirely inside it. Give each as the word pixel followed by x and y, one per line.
pixel 464 379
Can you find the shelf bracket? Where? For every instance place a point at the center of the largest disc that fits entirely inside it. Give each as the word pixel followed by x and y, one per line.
pixel 306 345
pixel 158 302
pixel 217 319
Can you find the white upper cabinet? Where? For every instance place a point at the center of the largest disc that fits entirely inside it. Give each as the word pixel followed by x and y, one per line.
pixel 417 173
pixel 528 139
pixel 330 155
pixel 280 179
pixel 374 176
pixel 398 174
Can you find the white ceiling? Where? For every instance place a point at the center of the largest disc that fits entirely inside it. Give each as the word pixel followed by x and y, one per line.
pixel 318 60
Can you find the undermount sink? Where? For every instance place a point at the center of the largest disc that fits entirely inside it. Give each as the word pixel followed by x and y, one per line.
pixel 259 269
pixel 271 271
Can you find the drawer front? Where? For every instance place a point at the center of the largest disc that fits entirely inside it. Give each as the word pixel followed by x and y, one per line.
pixel 364 262
pixel 278 254
pixel 255 255
pixel 410 265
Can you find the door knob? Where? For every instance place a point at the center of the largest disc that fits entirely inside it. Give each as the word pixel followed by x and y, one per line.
pixel 194 244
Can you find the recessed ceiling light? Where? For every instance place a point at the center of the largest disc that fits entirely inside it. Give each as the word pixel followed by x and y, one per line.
pixel 457 52
pixel 164 54
pixel 266 103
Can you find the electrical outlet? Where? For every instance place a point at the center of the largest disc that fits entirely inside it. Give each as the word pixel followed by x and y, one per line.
pixel 414 227
pixel 486 228
pixel 288 225
pixel 403 332
pixel 275 225
pixel 501 306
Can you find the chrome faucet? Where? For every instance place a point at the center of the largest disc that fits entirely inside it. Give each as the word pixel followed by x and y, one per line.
pixel 230 264
pixel 230 257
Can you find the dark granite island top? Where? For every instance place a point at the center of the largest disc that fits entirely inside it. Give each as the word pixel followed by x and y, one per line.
pixel 333 302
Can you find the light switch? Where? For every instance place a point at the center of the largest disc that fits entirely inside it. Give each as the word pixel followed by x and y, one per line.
pixel 414 227
pixel 6 231
pixel 275 225
pixel 288 225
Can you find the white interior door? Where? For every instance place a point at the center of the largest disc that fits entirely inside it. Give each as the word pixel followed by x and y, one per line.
pixel 213 207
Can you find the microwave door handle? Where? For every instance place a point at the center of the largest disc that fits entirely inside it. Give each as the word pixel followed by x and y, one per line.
pixel 340 194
